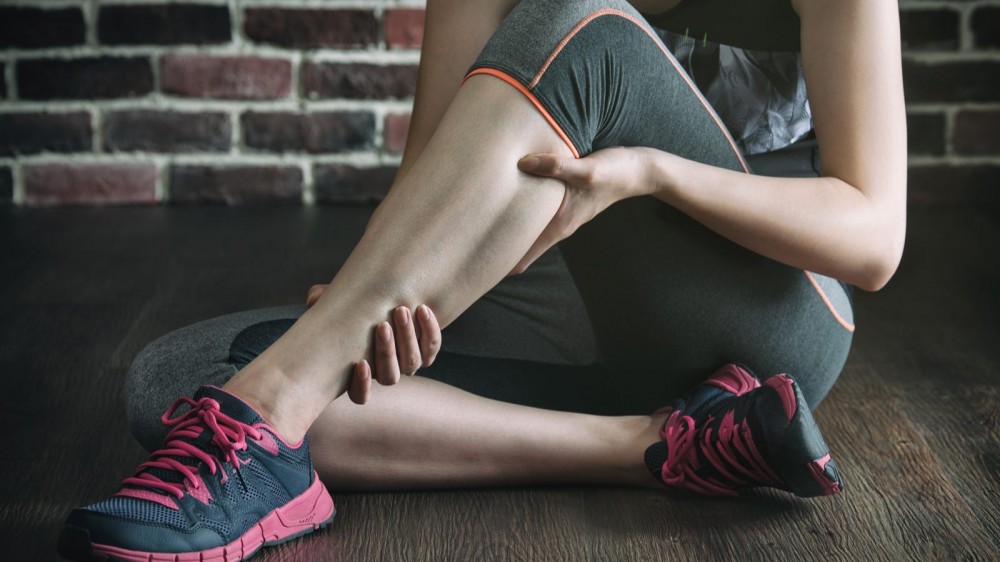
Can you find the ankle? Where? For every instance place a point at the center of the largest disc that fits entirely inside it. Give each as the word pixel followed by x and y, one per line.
pixel 277 405
pixel 641 432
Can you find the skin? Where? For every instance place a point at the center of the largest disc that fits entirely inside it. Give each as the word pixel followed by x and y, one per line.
pixel 406 257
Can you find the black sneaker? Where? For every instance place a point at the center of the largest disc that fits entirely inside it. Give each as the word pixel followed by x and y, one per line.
pixel 731 433
pixel 223 485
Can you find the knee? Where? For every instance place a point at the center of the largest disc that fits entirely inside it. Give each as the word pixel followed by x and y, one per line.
pixel 146 393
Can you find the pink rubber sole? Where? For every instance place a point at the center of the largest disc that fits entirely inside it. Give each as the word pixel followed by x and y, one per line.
pixel 304 514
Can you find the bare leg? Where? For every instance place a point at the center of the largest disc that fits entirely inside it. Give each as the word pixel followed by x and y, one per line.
pixel 423 433
pixel 453 227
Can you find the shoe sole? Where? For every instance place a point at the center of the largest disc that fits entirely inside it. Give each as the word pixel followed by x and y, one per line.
pixel 805 465
pixel 310 511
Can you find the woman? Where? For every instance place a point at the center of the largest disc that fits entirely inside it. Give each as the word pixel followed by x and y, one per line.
pixel 679 262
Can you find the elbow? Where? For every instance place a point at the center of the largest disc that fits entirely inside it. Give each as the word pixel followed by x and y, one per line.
pixel 882 264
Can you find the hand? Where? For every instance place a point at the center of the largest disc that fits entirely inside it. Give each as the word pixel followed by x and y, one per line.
pixel 593 183
pixel 418 345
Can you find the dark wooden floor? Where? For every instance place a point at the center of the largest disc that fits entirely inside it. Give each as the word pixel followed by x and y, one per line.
pixel 914 423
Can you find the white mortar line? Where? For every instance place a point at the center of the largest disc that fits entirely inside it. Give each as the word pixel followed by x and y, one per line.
pixel 96 128
pixel 160 188
pixel 9 77
pixel 953 160
pixel 18 196
pixel 236 132
pixel 954 56
pixel 308 184
pixel 942 107
pixel 185 105
pixel 362 158
pixel 90 21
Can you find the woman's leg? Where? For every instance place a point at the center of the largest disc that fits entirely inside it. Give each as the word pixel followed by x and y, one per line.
pixel 422 433
pixel 331 446
pixel 453 227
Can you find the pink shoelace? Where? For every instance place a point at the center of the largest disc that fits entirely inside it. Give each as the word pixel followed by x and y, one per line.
pixel 229 436
pixel 731 452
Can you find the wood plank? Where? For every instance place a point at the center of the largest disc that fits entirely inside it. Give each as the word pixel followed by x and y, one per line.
pixel 913 422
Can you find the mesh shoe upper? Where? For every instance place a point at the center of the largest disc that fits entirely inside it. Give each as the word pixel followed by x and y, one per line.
pixel 221 469
pixel 721 438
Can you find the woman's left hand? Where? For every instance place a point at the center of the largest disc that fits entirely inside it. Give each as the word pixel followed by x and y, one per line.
pixel 593 183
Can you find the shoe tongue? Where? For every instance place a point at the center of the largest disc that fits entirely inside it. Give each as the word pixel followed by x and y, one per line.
pixel 230 405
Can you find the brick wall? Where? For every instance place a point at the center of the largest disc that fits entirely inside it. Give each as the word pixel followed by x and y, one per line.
pixel 307 101
pixel 951 73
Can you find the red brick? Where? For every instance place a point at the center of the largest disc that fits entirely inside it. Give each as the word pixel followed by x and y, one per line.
pixel 235 185
pixel 957 81
pixel 163 24
pixel 339 183
pixel 166 131
pixel 925 133
pixel 84 78
pixel 985 25
pixel 978 183
pixel 243 78
pixel 6 186
pixel 359 81
pixel 306 29
pixel 977 132
pixel 34 27
pixel 395 129
pixel 404 27
pixel 31 133
pixel 331 131
pixel 89 184
pixel 929 29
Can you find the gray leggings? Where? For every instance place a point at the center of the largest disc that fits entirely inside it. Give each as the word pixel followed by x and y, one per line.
pixel 642 287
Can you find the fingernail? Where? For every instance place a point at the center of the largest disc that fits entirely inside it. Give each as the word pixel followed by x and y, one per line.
pixel 528 163
pixel 424 312
pixel 384 331
pixel 404 315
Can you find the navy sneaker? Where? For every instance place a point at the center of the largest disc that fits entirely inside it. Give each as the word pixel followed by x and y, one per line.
pixel 732 433
pixel 223 485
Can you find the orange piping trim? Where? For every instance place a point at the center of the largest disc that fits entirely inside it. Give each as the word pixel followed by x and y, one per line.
pixel 847 325
pixel 607 11
pixel 531 97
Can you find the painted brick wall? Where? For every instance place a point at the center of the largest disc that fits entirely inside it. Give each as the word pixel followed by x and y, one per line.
pixel 307 101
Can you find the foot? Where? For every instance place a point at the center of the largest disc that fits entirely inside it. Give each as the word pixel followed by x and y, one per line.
pixel 223 485
pixel 732 433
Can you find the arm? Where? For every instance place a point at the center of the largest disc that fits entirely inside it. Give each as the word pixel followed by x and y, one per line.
pixel 850 223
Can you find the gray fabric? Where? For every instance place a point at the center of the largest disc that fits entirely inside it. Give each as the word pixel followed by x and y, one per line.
pixel 659 300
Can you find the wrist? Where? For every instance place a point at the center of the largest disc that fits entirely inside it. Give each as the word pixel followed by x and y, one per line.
pixel 658 178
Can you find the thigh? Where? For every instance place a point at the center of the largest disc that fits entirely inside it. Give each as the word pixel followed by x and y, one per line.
pixel 668 299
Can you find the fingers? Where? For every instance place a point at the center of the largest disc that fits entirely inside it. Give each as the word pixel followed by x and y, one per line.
pixel 386 365
pixel 430 334
pixel 407 346
pixel 410 342
pixel 550 165
pixel 360 388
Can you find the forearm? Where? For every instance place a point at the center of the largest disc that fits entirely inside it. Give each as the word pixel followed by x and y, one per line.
pixel 819 224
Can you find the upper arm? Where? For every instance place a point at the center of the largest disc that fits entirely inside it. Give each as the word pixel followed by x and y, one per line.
pixel 853 70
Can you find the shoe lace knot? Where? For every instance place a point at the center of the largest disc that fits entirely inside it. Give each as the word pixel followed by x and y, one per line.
pixel 228 437
pixel 716 458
